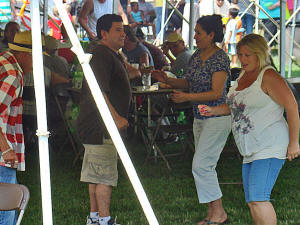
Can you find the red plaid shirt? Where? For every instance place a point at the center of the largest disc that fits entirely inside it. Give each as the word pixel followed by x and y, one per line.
pixel 11 89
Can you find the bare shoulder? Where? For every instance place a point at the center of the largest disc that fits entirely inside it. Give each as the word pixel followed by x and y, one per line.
pixel 272 82
pixel 271 76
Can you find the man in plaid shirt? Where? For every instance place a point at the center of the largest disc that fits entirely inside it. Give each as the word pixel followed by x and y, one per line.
pixel 13 65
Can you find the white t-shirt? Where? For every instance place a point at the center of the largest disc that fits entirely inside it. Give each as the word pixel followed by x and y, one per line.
pixel 223 10
pixel 231 26
pixel 206 7
pixel 99 10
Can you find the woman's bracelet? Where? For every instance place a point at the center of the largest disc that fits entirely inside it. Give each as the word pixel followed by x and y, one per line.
pixel 6 151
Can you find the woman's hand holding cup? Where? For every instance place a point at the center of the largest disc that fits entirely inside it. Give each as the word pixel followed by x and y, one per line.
pixel 205 110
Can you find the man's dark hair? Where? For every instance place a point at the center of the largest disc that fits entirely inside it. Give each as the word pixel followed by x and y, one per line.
pixel 139 33
pixel 130 33
pixel 105 23
pixel 132 4
pixel 233 12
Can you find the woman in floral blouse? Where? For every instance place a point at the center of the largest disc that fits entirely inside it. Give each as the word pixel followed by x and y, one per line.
pixel 256 103
pixel 206 78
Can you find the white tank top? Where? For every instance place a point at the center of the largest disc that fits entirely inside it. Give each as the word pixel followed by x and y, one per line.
pixel 258 125
pixel 99 10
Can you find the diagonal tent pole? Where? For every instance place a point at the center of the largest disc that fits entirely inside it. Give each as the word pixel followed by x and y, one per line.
pixel 282 38
pixel 42 132
pixel 288 35
pixel 106 115
pixel 160 33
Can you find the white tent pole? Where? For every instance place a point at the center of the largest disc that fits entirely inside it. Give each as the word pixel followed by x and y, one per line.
pixel 256 17
pixel 286 23
pixel 282 37
pixel 191 24
pixel 246 10
pixel 292 41
pixel 167 20
pixel 105 114
pixel 115 6
pixel 45 18
pixel 163 16
pixel 39 87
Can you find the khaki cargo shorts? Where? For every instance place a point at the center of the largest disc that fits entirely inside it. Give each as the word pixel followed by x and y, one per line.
pixel 99 164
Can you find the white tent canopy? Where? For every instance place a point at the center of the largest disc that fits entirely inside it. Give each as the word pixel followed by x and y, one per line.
pixel 104 111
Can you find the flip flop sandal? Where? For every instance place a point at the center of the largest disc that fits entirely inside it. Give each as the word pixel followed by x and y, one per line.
pixel 205 221
pixel 217 223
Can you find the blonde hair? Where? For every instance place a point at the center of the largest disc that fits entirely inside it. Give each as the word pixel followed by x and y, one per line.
pixel 55 11
pixel 67 7
pixel 258 46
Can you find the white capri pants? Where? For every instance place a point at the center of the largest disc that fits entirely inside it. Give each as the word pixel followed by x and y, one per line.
pixel 210 137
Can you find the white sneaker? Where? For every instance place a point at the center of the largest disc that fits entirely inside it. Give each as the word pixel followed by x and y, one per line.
pixel 112 222
pixel 90 221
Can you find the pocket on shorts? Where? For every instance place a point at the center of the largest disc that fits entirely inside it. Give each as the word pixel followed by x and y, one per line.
pixel 100 166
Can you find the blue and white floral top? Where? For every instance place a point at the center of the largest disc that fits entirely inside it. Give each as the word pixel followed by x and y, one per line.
pixel 199 77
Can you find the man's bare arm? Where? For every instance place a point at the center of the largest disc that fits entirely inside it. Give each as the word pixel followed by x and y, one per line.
pixel 87 8
pixel 122 13
pixel 8 154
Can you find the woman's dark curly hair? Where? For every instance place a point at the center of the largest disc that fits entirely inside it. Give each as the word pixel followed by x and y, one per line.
pixel 212 23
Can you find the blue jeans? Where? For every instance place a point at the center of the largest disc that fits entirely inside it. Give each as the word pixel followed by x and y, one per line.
pixel 8 175
pixel 248 22
pixel 259 178
pixel 272 28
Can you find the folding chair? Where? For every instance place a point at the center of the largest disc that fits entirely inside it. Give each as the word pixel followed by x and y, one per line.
pixel 183 131
pixel 14 197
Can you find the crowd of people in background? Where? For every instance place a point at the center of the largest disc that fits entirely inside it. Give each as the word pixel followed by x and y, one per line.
pixel 223 38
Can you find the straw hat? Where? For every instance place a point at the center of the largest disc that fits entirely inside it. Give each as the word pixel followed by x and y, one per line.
pixel 174 37
pixel 23 42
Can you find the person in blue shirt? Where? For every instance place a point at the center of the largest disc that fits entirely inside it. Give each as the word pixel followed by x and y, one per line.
pixel 272 8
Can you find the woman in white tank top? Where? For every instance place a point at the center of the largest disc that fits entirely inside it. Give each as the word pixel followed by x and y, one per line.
pixel 256 103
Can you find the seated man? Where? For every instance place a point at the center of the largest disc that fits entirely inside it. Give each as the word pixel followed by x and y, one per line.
pixel 137 17
pixel 11 28
pixel 56 72
pixel 175 44
pixel 159 59
pixel 134 50
pixel 148 9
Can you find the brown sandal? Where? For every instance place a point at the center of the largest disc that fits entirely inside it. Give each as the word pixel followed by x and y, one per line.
pixel 217 223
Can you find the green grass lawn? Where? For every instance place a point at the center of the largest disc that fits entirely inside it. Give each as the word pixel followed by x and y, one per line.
pixel 172 194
